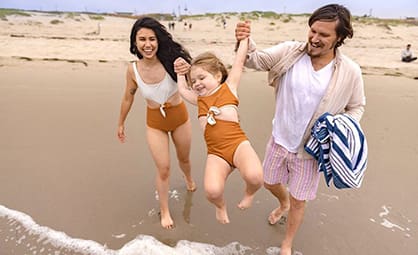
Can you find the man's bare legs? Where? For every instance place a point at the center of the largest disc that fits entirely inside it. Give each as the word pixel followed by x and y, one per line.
pixel 295 209
pixel 281 193
pixel 294 220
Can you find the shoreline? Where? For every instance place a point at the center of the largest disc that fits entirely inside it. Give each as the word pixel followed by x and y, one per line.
pixel 366 71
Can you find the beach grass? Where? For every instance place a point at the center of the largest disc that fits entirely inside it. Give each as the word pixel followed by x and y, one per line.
pixel 96 17
pixel 253 15
pixel 385 22
pixel 8 12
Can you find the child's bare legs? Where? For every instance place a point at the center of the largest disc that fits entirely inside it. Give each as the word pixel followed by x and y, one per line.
pixel 182 141
pixel 158 144
pixel 216 172
pixel 249 165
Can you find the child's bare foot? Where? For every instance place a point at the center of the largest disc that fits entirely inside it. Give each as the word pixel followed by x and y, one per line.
pixel 166 221
pixel 276 214
pixel 222 215
pixel 246 201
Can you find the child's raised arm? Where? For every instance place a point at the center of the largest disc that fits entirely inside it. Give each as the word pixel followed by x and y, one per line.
pixel 234 75
pixel 181 67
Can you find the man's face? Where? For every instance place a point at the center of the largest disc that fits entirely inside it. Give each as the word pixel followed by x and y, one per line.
pixel 322 38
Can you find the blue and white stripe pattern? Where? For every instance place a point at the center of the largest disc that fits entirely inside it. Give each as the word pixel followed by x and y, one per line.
pixel 339 145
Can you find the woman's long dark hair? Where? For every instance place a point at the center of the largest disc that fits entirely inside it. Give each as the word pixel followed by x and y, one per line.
pixel 168 49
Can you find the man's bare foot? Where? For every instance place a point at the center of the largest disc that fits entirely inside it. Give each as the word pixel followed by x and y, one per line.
pixel 246 202
pixel 222 215
pixel 166 221
pixel 276 214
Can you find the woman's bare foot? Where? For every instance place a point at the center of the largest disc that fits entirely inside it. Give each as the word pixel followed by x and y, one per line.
pixel 285 250
pixel 222 215
pixel 276 214
pixel 246 202
pixel 166 221
pixel 190 184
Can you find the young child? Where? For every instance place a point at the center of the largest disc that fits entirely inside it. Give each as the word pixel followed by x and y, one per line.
pixel 215 94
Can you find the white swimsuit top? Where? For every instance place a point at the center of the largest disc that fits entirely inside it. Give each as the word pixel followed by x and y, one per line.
pixel 158 92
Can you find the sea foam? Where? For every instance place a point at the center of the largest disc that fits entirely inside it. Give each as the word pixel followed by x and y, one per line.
pixel 39 240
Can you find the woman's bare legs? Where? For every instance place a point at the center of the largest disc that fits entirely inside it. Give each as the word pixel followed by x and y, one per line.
pixel 182 141
pixel 159 147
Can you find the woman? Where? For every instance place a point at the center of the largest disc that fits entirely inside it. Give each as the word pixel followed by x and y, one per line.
pixel 153 74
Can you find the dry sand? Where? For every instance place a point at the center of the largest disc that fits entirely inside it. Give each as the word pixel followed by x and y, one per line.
pixel 62 164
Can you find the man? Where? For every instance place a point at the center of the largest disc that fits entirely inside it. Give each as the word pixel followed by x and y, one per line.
pixel 310 79
pixel 407 55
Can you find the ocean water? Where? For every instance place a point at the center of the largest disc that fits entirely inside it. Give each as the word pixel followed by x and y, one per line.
pixel 20 234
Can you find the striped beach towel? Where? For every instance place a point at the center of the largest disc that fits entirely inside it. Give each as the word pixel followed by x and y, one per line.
pixel 340 147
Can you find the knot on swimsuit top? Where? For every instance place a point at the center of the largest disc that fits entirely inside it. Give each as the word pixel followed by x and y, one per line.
pixel 210 116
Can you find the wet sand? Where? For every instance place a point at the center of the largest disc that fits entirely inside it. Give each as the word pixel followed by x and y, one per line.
pixel 62 164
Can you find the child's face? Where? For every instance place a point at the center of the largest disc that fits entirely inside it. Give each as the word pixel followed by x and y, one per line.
pixel 203 82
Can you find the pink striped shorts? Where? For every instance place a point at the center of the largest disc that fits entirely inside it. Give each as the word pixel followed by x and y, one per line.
pixel 281 166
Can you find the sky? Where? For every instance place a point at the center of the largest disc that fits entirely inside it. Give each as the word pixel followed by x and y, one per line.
pixel 375 8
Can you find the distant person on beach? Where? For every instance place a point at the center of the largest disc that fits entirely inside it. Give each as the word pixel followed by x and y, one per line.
pixel 153 74
pixel 214 91
pixel 310 78
pixel 407 54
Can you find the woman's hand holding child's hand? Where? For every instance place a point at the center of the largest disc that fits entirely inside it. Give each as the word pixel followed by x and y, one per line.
pixel 181 66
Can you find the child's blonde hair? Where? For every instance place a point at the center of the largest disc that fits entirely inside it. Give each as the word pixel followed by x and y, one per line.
pixel 211 63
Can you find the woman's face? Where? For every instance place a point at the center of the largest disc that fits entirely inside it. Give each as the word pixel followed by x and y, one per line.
pixel 146 43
